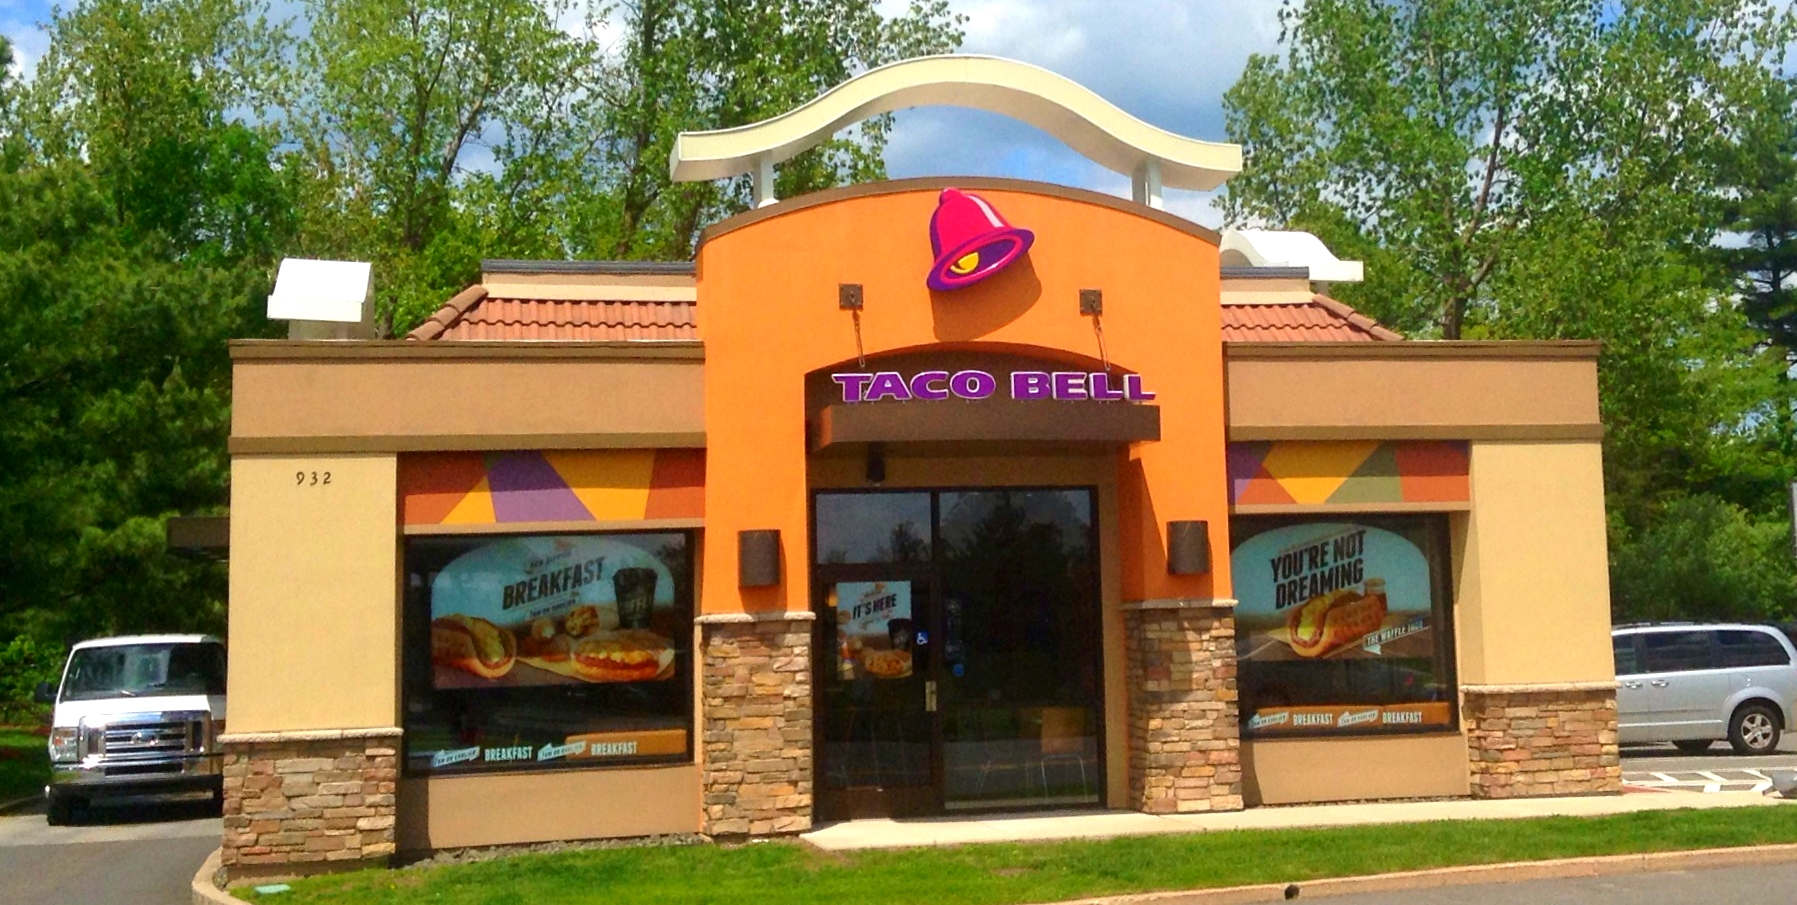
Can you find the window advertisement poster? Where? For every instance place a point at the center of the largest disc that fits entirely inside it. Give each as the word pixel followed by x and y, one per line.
pixel 1337 629
pixel 548 610
pixel 875 633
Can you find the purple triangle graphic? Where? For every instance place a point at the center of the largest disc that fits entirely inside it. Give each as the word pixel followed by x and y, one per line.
pixel 1244 465
pixel 526 488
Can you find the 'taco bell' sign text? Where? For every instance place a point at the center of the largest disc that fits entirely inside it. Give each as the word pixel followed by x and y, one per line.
pixel 881 386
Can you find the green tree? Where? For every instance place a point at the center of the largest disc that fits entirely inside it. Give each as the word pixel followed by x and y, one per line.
pixel 1550 169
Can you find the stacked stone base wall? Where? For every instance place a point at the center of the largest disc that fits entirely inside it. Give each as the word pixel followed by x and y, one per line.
pixel 1533 743
pixel 308 802
pixel 756 700
pixel 1184 736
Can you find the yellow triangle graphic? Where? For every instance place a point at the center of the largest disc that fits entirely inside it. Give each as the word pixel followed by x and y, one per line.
pixel 613 484
pixel 1312 471
pixel 475 509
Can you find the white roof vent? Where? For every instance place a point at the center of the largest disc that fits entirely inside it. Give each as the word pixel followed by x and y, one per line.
pixel 1288 248
pixel 322 299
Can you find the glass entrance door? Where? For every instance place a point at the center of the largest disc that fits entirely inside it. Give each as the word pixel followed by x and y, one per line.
pixel 959 665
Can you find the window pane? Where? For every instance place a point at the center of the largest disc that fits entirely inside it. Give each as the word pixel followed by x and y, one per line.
pixel 1628 662
pixel 873 527
pixel 1676 651
pixel 1342 624
pixel 547 650
pixel 1020 648
pixel 1743 648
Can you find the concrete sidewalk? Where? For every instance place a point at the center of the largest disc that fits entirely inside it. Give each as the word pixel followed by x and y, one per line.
pixel 912 833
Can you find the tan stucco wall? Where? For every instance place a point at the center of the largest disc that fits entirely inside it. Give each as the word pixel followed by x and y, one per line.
pixel 314 615
pixel 513 808
pixel 378 397
pixel 1533 584
pixel 1412 391
pixel 1100 470
pixel 1297 771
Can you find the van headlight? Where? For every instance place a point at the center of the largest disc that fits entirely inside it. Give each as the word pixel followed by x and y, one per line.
pixel 65 744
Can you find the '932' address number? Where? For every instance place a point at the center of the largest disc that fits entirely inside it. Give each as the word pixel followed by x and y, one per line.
pixel 311 478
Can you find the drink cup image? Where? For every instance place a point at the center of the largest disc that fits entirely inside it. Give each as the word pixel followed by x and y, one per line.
pixel 635 590
pixel 901 633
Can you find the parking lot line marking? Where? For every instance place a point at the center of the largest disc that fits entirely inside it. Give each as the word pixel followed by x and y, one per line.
pixel 1710 776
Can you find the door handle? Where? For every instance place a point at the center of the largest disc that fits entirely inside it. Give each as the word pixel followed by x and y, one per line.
pixel 1659 683
pixel 1631 684
pixel 929 697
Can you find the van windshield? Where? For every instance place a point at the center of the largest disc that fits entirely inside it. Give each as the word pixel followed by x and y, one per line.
pixel 145 670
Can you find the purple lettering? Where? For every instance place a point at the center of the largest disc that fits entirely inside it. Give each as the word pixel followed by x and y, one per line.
pixel 853 385
pixel 972 384
pixel 1029 385
pixel 921 389
pixel 1132 389
pixel 1070 385
pixel 888 385
pixel 1101 387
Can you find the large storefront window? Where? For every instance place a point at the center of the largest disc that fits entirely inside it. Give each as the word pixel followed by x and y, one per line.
pixel 541 651
pixel 1343 624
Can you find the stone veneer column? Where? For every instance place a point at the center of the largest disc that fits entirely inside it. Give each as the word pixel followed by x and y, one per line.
pixel 755 707
pixel 1184 731
pixel 1534 740
pixel 307 802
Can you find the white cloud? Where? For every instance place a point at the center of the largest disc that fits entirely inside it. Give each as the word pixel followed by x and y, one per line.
pixel 1165 61
pixel 19 22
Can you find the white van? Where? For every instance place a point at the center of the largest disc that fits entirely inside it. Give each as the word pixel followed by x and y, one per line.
pixel 137 715
pixel 1693 685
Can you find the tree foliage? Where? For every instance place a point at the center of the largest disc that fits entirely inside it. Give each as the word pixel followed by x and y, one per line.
pixel 1563 169
pixel 165 154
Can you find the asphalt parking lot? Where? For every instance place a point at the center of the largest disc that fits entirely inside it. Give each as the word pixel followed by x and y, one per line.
pixel 1717 770
pixel 130 854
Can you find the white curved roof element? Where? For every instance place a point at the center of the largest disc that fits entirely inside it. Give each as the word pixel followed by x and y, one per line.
pixel 1089 124
pixel 1288 248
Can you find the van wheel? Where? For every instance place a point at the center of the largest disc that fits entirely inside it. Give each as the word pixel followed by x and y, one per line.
pixel 1754 729
pixel 1693 746
pixel 61 811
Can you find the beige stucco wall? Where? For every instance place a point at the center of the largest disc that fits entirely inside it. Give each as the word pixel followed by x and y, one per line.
pixel 1296 771
pixel 515 808
pixel 1095 469
pixel 314 615
pixel 1532 583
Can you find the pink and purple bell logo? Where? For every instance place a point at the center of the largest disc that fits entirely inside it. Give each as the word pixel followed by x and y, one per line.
pixel 971 241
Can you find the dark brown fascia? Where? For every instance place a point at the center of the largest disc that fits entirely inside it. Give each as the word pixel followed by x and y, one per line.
pixel 1414 348
pixel 412 350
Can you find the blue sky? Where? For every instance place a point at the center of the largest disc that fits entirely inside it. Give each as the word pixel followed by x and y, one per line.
pixel 1165 61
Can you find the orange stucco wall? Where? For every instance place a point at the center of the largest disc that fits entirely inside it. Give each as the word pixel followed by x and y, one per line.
pixel 768 311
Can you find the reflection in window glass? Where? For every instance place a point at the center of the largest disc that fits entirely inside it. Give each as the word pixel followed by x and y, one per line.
pixel 1628 662
pixel 1342 623
pixel 1676 651
pixel 873 527
pixel 1745 648
pixel 540 651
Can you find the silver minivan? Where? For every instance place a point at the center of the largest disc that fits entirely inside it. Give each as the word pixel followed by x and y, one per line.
pixel 1693 685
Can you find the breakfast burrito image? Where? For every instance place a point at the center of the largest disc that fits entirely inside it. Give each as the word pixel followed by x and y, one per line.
pixel 473 645
pixel 1329 622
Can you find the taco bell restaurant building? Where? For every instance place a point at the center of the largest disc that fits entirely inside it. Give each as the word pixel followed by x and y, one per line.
pixel 919 497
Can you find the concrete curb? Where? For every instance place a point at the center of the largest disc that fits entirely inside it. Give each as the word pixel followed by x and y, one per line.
pixel 204 893
pixel 1515 872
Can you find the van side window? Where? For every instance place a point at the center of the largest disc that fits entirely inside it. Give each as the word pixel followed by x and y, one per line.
pixel 1677 651
pixel 1743 648
pixel 1628 659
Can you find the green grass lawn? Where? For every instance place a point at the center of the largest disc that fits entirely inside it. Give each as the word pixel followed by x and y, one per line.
pixel 24 763
pixel 793 874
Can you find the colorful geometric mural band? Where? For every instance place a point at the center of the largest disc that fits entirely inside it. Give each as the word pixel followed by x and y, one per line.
pixel 472 488
pixel 1347 473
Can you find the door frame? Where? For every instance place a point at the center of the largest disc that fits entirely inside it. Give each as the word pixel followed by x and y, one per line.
pixel 858 804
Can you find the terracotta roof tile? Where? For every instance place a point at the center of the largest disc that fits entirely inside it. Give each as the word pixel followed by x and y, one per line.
pixel 1322 319
pixel 472 315
pixel 562 320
